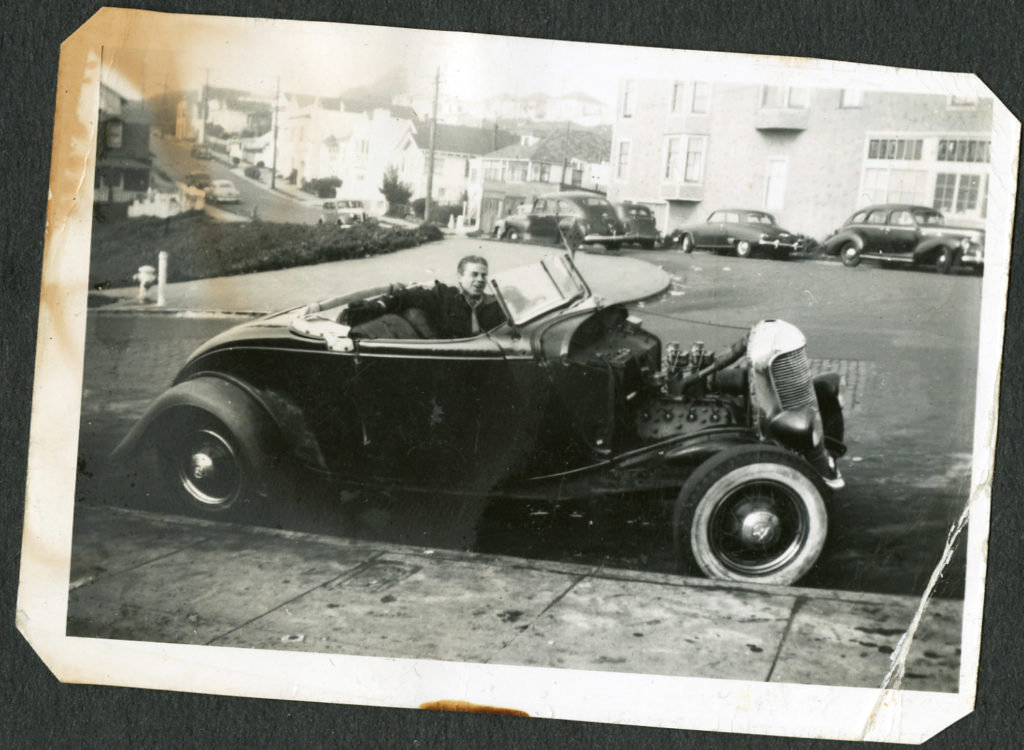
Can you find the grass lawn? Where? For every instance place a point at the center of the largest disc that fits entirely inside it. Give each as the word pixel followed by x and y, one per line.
pixel 200 247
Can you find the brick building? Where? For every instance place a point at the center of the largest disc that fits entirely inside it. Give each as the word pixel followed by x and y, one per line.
pixel 809 156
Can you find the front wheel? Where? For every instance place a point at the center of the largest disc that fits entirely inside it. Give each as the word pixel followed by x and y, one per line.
pixel 512 235
pixel 754 514
pixel 744 249
pixel 687 244
pixel 207 468
pixel 850 255
pixel 944 261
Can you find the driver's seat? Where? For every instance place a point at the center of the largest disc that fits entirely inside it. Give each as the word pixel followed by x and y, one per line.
pixel 410 324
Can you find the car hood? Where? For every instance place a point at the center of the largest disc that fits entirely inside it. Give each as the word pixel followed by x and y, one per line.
pixel 975 234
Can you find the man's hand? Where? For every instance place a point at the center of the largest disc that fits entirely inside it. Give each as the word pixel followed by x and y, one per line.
pixel 361 311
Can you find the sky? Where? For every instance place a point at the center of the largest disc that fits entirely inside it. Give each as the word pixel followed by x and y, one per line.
pixel 179 52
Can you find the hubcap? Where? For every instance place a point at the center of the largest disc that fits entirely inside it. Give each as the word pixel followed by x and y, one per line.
pixel 758 528
pixel 209 470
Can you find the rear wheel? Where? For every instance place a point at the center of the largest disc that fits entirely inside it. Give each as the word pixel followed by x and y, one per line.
pixel 850 255
pixel 612 247
pixel 753 513
pixel 687 244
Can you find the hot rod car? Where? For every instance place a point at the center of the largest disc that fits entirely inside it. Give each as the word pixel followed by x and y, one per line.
pixel 568 397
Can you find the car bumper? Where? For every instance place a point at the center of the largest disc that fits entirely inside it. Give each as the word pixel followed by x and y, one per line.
pixel 605 238
pixel 788 245
pixel 972 257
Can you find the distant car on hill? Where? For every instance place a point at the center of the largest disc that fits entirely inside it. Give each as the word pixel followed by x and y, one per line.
pixel 201 180
pixel 222 191
pixel 201 152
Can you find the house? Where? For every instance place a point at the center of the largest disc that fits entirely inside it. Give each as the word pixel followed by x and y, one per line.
pixel 123 159
pixel 455 149
pixel 311 138
pixel 518 173
pixel 809 156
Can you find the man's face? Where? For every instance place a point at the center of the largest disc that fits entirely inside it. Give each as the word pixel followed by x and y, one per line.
pixel 473 279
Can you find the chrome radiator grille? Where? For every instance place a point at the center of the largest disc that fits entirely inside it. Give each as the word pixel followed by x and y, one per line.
pixel 791 376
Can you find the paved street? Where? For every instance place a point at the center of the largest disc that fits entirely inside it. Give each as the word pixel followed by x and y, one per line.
pixel 905 340
pixel 175 159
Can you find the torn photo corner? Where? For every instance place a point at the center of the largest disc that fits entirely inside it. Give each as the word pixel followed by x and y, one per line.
pixel 692 474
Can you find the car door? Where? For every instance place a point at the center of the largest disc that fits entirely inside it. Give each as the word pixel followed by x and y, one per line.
pixel 437 412
pixel 704 234
pixel 725 229
pixel 543 224
pixel 874 233
pixel 901 234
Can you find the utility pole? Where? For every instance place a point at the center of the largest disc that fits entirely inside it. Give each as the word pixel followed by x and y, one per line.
pixel 433 141
pixel 206 107
pixel 565 159
pixel 273 165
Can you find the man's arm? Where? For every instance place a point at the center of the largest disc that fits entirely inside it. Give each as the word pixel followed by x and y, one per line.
pixel 361 311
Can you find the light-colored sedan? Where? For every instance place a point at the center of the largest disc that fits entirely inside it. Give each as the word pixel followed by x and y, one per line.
pixel 222 191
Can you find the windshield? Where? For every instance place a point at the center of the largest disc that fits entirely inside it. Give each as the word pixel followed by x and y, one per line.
pixel 531 290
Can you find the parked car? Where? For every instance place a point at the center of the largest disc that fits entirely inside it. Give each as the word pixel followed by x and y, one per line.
pixel 576 218
pixel 201 152
pixel 201 180
pixel 566 398
pixel 641 226
pixel 501 229
pixel 908 234
pixel 742 232
pixel 222 191
pixel 342 212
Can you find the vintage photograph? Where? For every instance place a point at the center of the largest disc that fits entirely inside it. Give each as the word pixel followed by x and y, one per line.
pixel 463 375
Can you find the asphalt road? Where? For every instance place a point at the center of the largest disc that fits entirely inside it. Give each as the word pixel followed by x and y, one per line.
pixel 906 340
pixel 175 159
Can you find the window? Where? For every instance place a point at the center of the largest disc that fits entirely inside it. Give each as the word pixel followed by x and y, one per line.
pixel 902 218
pixel 784 97
pixel 545 173
pixel 684 159
pixel 877 216
pixel 963 102
pixel 622 165
pixel 963 150
pixel 678 95
pixel 577 176
pixel 885 185
pixel 627 100
pixel 895 148
pixel 517 171
pixel 114 133
pixel 701 103
pixel 851 98
pixel 967 195
pixel 492 171
pixel 694 160
pixel 945 188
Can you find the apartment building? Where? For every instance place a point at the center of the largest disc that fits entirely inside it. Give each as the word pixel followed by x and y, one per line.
pixel 809 156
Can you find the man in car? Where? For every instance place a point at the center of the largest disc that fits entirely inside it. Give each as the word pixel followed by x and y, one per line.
pixel 451 312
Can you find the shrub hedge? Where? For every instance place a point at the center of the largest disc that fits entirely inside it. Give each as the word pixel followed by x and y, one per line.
pixel 200 247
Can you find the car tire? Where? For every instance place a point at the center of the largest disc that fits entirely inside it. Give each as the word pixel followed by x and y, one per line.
pixel 512 235
pixel 574 239
pixel 647 244
pixel 850 255
pixel 945 260
pixel 755 514
pixel 686 244
pixel 743 249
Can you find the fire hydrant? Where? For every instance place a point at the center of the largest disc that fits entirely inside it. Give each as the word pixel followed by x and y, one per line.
pixel 146 278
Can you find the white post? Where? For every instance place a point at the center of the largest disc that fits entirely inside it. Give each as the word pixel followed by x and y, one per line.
pixel 161 278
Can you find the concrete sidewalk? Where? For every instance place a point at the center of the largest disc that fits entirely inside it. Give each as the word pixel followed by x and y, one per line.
pixel 615 278
pixel 144 576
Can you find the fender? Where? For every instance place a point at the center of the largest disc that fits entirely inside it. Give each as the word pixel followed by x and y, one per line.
pixel 832 244
pixel 241 411
pixel 928 248
pixel 827 388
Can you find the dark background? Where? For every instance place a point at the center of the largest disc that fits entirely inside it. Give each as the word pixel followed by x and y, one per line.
pixel 37 711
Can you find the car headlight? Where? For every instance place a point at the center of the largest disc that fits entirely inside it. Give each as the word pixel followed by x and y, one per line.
pixel 965 243
pixel 817 430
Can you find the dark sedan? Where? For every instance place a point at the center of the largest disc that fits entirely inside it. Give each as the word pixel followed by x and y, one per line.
pixel 907 234
pixel 742 232
pixel 565 397
pixel 575 218
pixel 641 226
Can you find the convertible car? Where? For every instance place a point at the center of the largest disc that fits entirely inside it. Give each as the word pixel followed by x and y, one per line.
pixel 567 397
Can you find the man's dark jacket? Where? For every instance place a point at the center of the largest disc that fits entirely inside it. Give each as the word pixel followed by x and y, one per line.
pixel 447 309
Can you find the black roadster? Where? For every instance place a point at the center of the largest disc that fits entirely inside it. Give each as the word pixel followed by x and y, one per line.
pixel 567 398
